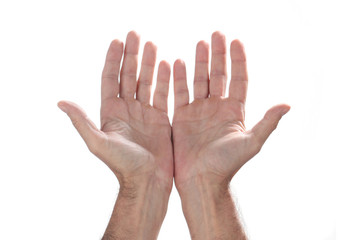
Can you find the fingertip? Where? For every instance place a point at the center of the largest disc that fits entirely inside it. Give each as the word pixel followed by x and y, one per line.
pixel 164 64
pixel 237 51
pixel 132 42
pixel 70 107
pixel 63 106
pixel 202 45
pixel 276 112
pixel 133 35
pixel 116 43
pixel 218 43
pixel 217 34
pixel 179 67
pixel 149 56
pixel 150 46
pixel 236 43
pixel 285 109
pixel 202 52
pixel 179 64
pixel 115 50
pixel 165 67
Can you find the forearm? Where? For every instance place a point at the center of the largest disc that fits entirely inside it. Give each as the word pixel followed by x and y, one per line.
pixel 210 211
pixel 139 212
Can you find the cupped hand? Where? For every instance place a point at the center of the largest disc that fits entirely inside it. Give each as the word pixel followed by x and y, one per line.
pixel 210 140
pixel 135 137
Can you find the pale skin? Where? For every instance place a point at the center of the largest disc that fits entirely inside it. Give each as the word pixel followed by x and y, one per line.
pixel 210 140
pixel 134 139
pixel 202 150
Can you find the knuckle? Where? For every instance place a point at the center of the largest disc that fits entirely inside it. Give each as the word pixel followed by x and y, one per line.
pixel 256 143
pixel 161 94
pixel 76 123
pixel 93 149
pixel 96 146
pixel 107 76
pixel 201 79
pixel 146 82
pixel 180 91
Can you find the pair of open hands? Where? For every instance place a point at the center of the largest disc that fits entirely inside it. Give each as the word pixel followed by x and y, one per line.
pixel 207 138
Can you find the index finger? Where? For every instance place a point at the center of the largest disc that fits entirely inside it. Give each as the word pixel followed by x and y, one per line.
pixel 110 74
pixel 239 78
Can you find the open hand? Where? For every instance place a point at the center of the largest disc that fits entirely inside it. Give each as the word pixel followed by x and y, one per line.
pixel 210 140
pixel 135 137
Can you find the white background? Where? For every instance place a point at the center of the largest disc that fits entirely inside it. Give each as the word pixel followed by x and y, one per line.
pixel 303 53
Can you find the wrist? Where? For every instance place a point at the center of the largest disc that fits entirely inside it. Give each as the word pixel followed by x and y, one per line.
pixel 136 186
pixel 148 186
pixel 146 199
pixel 201 194
pixel 139 209
pixel 209 209
pixel 212 185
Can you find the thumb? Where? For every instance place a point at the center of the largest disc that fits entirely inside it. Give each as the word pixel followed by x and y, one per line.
pixel 262 130
pixel 86 128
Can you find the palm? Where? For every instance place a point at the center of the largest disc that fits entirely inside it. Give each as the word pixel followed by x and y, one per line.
pixel 139 132
pixel 209 135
